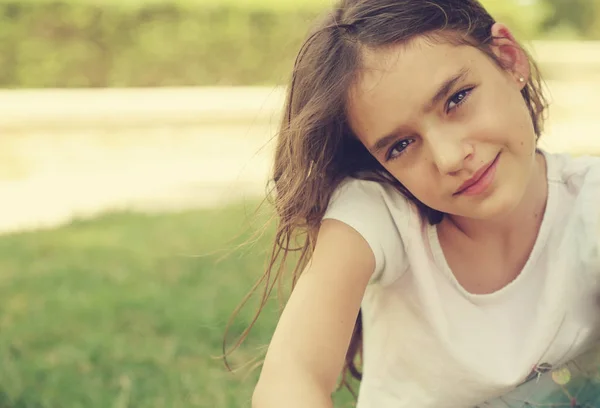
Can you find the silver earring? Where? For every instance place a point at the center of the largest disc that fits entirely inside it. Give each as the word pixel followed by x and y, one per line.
pixel 521 79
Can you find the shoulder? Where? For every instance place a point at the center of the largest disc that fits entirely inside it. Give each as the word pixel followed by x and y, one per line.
pixel 355 194
pixel 578 182
pixel 381 215
pixel 580 177
pixel 575 172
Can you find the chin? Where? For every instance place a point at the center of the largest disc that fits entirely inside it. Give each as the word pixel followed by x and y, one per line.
pixel 496 206
pixel 500 205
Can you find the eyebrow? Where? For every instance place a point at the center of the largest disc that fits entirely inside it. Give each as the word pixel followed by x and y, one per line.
pixel 442 92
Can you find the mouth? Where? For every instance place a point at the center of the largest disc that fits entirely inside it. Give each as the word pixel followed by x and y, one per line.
pixel 480 181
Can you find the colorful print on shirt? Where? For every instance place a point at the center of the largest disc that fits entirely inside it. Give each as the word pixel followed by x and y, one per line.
pixel 572 385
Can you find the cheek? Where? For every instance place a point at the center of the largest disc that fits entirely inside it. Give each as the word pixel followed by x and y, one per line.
pixel 503 118
pixel 520 132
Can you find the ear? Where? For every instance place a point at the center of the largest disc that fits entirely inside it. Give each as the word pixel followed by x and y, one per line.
pixel 510 53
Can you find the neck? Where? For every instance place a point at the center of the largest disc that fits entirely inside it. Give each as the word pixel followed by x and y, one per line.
pixel 529 212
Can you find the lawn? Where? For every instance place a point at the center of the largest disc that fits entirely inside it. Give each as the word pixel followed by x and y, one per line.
pixel 128 310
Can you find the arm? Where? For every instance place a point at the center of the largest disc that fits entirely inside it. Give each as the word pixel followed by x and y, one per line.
pixel 307 351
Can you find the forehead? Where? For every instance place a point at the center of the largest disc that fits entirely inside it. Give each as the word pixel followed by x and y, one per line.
pixel 397 82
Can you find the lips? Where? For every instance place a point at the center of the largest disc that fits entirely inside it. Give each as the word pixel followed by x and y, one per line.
pixel 477 176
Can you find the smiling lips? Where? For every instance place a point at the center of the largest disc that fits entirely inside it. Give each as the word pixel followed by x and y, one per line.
pixel 480 181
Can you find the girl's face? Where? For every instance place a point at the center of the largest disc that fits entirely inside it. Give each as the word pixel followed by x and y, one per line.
pixel 448 123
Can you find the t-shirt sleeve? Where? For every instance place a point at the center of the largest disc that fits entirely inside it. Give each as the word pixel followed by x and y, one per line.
pixel 583 175
pixel 590 208
pixel 377 216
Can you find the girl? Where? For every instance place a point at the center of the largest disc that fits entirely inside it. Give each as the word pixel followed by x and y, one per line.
pixel 436 237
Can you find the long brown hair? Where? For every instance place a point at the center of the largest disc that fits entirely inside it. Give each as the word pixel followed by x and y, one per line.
pixel 316 149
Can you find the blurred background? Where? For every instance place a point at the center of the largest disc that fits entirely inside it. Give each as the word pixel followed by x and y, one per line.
pixel 134 149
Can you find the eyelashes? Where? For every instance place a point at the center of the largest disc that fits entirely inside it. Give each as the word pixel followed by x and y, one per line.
pixel 458 99
pixel 453 103
pixel 400 147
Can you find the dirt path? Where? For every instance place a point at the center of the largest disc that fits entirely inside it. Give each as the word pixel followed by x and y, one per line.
pixel 49 175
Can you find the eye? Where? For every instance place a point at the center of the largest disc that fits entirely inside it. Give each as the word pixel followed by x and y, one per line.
pixel 458 98
pixel 397 149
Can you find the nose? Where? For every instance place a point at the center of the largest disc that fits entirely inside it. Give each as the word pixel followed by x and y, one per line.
pixel 449 150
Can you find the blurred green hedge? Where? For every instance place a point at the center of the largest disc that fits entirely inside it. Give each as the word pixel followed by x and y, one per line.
pixel 69 43
pixel 146 43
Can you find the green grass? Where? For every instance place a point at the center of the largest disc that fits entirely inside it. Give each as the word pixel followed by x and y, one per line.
pixel 128 310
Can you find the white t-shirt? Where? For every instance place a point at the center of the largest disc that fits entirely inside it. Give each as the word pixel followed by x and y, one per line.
pixel 430 343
